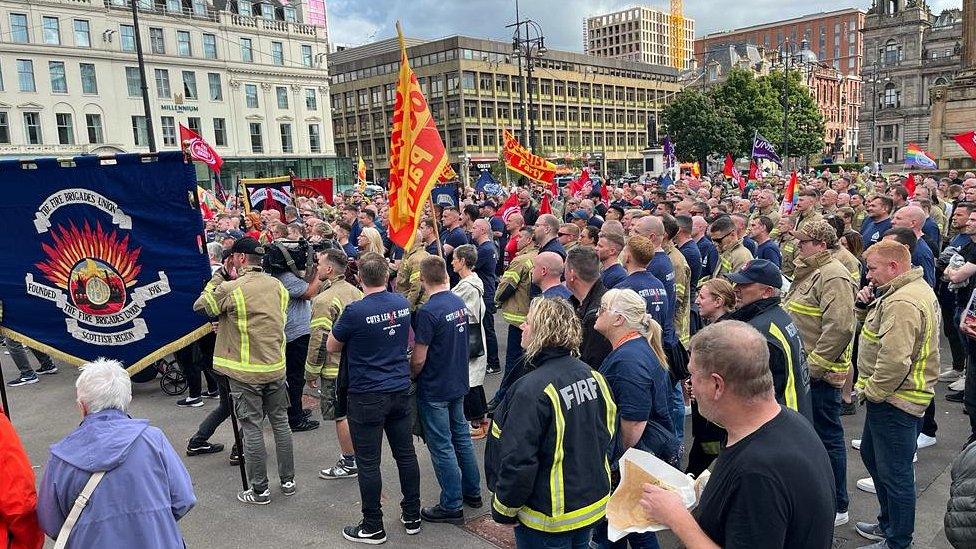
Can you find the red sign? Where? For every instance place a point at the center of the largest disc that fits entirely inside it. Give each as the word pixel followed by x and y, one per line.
pixel 199 149
pixel 314 188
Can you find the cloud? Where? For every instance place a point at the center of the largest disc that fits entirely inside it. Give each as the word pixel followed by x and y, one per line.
pixel 357 22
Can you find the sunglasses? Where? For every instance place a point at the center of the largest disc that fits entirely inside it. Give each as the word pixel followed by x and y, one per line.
pixel 565 234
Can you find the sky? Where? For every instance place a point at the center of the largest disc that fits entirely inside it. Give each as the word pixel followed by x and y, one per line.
pixel 357 22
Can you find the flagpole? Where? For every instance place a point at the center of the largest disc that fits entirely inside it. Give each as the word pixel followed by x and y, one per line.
pixel 437 231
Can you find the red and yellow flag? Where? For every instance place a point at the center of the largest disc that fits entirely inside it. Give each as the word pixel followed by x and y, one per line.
pixel 448 175
pixel 361 173
pixel 417 155
pixel 520 160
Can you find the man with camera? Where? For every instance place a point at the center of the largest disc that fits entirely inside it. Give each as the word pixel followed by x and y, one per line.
pixel 292 263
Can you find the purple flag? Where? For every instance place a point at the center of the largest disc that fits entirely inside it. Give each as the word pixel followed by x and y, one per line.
pixel 669 159
pixel 762 148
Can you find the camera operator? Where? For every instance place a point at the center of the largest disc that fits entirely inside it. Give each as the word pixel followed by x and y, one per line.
pixel 292 263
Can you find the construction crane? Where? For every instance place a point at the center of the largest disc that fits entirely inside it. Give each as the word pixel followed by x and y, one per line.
pixel 677 34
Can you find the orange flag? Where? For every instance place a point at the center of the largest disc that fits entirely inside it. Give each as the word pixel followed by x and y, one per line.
pixel 520 160
pixel 417 155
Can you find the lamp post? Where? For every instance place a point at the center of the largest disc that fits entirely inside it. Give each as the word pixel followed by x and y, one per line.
pixel 876 76
pixel 786 52
pixel 532 44
pixel 142 77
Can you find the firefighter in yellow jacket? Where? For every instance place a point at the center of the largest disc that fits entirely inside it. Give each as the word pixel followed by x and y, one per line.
pixel 821 304
pixel 321 367
pixel 682 278
pixel 732 254
pixel 250 306
pixel 898 366
pixel 512 299
pixel 408 275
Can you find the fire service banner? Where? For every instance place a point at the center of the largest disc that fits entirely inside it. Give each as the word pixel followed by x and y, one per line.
pixel 104 257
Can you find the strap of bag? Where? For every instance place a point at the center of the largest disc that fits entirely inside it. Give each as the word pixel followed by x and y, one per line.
pixel 79 506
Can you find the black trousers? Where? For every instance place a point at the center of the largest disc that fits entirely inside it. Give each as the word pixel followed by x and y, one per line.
pixel 950 327
pixel 370 415
pixel 491 339
pixel 217 416
pixel 196 359
pixel 296 351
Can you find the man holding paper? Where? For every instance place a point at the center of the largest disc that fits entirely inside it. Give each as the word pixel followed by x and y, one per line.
pixel 772 485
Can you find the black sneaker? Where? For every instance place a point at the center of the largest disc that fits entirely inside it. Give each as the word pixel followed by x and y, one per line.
pixel 306 412
pixel 195 449
pixel 954 397
pixel 288 488
pixel 440 514
pixel 493 369
pixel 474 503
pixel 411 525
pixel 211 394
pixel 23 380
pixel 360 534
pixel 47 370
pixel 342 469
pixel 189 402
pixel 235 457
pixel 305 425
pixel 869 530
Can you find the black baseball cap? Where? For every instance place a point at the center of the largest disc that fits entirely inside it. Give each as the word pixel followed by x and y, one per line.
pixel 757 271
pixel 247 245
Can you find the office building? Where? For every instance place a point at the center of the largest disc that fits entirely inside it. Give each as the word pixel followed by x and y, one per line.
pixel 640 33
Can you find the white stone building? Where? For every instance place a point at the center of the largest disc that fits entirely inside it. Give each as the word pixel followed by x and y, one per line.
pixel 250 77
pixel 639 33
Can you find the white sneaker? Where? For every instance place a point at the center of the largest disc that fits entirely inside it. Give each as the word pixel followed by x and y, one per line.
pixel 841 519
pixel 959 384
pixel 915 458
pixel 688 410
pixel 950 375
pixel 856 444
pixel 924 441
pixel 866 485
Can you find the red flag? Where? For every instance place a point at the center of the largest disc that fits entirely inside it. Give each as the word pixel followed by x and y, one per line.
pixel 753 172
pixel 200 149
pixel 605 194
pixel 910 185
pixel 968 142
pixel 545 207
pixel 790 196
pixel 509 207
pixel 577 184
pixel 737 177
pixel 315 187
pixel 729 166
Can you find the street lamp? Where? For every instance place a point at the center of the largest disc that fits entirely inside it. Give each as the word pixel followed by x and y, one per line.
pixel 527 45
pixel 787 51
pixel 877 75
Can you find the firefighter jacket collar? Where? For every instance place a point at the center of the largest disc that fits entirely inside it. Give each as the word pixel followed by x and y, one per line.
pixel 806 265
pixel 911 276
pixel 746 312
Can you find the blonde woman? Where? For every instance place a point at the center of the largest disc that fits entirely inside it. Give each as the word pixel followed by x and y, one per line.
pixel 638 377
pixel 370 240
pixel 560 408
pixel 715 298
pixel 471 290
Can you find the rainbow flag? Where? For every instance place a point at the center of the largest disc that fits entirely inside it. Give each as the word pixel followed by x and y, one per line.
pixel 790 196
pixel 914 156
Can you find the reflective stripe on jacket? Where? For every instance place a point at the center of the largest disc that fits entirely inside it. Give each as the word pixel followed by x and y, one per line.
pixel 898 353
pixel 730 260
pixel 821 303
pixel 682 303
pixel 251 312
pixel 518 276
pixel 327 307
pixel 408 276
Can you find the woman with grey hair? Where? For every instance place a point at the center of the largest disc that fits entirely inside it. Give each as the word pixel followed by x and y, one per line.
pixel 471 290
pixel 142 488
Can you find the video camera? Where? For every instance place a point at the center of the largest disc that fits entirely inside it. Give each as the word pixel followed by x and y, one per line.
pixel 295 256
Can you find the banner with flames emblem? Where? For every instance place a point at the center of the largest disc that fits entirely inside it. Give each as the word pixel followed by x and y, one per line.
pixel 104 258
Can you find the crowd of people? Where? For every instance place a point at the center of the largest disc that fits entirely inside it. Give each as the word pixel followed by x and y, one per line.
pixel 764 322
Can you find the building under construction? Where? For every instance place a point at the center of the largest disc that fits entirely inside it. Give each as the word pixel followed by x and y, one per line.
pixel 644 34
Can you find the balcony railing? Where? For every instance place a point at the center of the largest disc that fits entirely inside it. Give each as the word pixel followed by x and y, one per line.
pixel 210 14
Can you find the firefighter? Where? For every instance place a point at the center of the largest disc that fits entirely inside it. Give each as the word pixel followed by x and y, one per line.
pixel 560 409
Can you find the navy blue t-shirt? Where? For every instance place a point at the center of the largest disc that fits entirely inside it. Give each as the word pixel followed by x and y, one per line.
pixel 709 254
pixel 662 268
pixel 442 325
pixel 612 275
pixel 693 257
pixel 872 232
pixel 558 291
pixel 650 288
pixel 642 390
pixel 454 237
pixel 769 251
pixel 486 267
pixel 930 230
pixel 924 258
pixel 355 230
pixel 750 245
pixel 374 331
pixel 432 248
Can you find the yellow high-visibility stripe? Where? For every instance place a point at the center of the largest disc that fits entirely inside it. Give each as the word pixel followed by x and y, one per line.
pixel 569 521
pixel 322 322
pixel 789 392
pixel 212 308
pixel 513 276
pixel 828 365
pixel 241 307
pixel 803 309
pixel 516 319
pixel 496 431
pixel 502 508
pixel 330 371
pixel 611 405
pixel 869 335
pixel 248 366
pixel 918 367
pixel 556 487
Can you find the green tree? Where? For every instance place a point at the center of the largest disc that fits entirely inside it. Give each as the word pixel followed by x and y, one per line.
pixel 699 126
pixel 806 124
pixel 753 107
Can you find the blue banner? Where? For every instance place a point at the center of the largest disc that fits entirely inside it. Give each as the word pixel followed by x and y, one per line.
pixel 104 257
pixel 487 184
pixel 445 195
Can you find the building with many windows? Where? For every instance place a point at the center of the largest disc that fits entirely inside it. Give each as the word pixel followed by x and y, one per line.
pixel 250 78
pixel 586 107
pixel 910 52
pixel 640 33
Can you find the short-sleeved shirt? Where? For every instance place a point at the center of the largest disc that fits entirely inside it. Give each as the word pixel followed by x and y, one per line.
pixel 871 231
pixel 772 489
pixel 662 268
pixel 694 258
pixel 374 331
pixel 558 291
pixel 612 275
pixel 454 237
pixel 442 324
pixel 641 388
pixel 486 268
pixel 709 255
pixel 299 310
pixel 650 288
pixel 769 251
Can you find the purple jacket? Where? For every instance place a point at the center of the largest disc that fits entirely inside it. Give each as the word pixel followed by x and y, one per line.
pixel 146 488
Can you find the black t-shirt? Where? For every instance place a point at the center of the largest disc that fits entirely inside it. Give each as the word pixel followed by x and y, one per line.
pixel 968 252
pixel 772 489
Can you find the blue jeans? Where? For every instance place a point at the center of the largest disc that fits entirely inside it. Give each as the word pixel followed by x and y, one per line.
pixel 513 362
pixel 826 421
pixel 887 448
pixel 643 540
pixel 678 413
pixel 527 538
pixel 449 441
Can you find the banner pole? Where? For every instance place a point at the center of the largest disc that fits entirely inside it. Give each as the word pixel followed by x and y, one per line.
pixel 224 387
pixel 437 231
pixel 3 395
